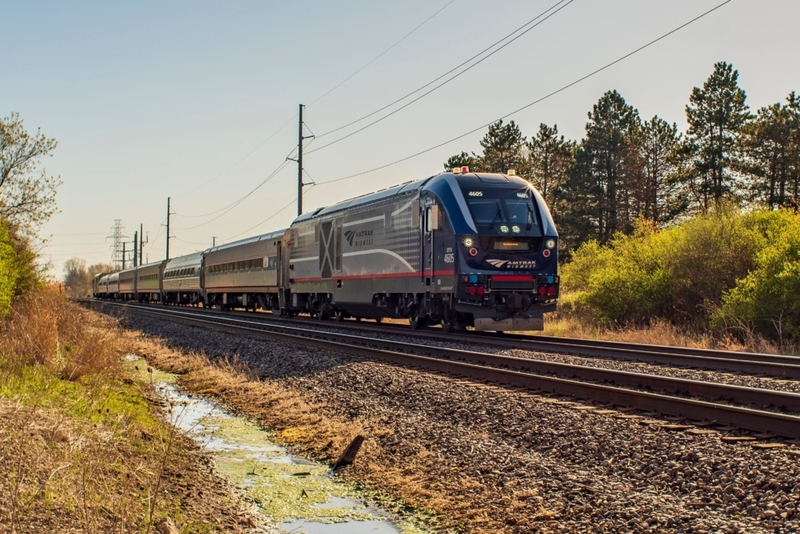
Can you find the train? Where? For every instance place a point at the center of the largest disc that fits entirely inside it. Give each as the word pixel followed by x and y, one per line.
pixel 458 249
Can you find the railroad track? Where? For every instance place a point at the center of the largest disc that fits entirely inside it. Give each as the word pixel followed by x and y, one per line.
pixel 775 365
pixel 690 399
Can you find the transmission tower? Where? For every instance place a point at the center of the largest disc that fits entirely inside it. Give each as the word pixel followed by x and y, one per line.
pixel 118 235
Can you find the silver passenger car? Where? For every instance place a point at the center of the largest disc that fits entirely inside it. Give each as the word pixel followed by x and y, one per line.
pixel 182 280
pixel 148 281
pixel 112 290
pixel 127 284
pixel 100 285
pixel 245 274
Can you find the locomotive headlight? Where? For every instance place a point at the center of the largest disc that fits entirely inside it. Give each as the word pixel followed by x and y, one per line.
pixel 550 243
pixel 468 242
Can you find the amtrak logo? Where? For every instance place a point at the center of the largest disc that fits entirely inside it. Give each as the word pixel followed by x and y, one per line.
pixel 512 264
pixel 360 238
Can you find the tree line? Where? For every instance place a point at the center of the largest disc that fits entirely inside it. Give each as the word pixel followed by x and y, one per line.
pixel 626 169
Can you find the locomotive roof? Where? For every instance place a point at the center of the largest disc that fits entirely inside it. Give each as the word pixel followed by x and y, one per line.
pixel 272 235
pixel 469 180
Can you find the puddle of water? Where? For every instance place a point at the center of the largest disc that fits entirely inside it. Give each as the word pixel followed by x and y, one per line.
pixel 301 495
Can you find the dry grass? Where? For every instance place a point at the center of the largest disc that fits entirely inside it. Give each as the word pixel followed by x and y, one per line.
pixel 563 324
pixel 45 329
pixel 410 474
pixel 80 447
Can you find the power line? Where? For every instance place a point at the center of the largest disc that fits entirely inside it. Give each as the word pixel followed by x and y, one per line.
pixel 279 130
pixel 532 103
pixel 496 43
pixel 381 54
pixel 229 207
pixel 268 218
pixel 240 160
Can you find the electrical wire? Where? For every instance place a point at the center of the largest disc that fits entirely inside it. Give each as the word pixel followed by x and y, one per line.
pixel 228 208
pixel 240 160
pixel 268 218
pixel 279 130
pixel 629 54
pixel 381 54
pixel 496 43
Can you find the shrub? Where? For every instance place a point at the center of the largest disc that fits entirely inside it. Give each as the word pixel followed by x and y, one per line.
pixel 17 267
pixel 681 274
pixel 765 300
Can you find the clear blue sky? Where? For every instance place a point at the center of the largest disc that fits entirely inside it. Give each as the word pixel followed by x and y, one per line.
pixel 153 99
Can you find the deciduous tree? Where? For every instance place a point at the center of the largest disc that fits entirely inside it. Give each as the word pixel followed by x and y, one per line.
pixel 77 279
pixel 27 193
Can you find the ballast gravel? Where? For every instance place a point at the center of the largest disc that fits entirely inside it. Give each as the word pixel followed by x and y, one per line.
pixel 485 346
pixel 514 462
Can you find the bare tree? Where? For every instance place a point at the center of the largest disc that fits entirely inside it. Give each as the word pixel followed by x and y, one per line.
pixel 27 193
pixel 76 278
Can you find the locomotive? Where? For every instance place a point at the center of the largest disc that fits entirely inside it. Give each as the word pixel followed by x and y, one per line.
pixel 458 249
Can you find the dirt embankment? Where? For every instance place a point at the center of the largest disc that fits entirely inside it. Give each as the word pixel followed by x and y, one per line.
pixel 83 447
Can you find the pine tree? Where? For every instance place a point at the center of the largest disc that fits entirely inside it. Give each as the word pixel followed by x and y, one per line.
pixel 549 160
pixel 502 147
pixel 599 192
pixel 771 144
pixel 472 161
pixel 660 195
pixel 715 115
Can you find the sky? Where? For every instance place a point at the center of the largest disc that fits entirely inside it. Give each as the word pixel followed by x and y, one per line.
pixel 198 101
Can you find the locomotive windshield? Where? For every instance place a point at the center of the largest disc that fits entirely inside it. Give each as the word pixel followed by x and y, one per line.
pixel 502 211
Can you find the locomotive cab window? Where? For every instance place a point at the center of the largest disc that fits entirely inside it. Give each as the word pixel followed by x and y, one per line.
pixel 506 212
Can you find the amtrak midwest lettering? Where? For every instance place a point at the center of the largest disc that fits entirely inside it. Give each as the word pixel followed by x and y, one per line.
pixel 360 238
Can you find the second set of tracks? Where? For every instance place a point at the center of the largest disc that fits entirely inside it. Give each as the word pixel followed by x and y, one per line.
pixel 754 409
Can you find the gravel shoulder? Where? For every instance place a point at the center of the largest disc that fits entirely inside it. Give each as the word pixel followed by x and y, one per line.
pixel 487 459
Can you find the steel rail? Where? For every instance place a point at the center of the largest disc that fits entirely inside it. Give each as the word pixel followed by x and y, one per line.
pixel 744 417
pixel 780 366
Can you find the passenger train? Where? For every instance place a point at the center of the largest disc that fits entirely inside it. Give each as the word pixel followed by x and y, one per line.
pixel 458 249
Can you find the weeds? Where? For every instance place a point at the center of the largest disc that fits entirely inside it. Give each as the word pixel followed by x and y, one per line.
pixel 78 442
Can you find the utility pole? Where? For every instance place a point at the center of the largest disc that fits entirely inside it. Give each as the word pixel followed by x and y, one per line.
pixel 168 214
pixel 141 245
pixel 300 163
pixel 123 255
pixel 213 241
pixel 135 248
